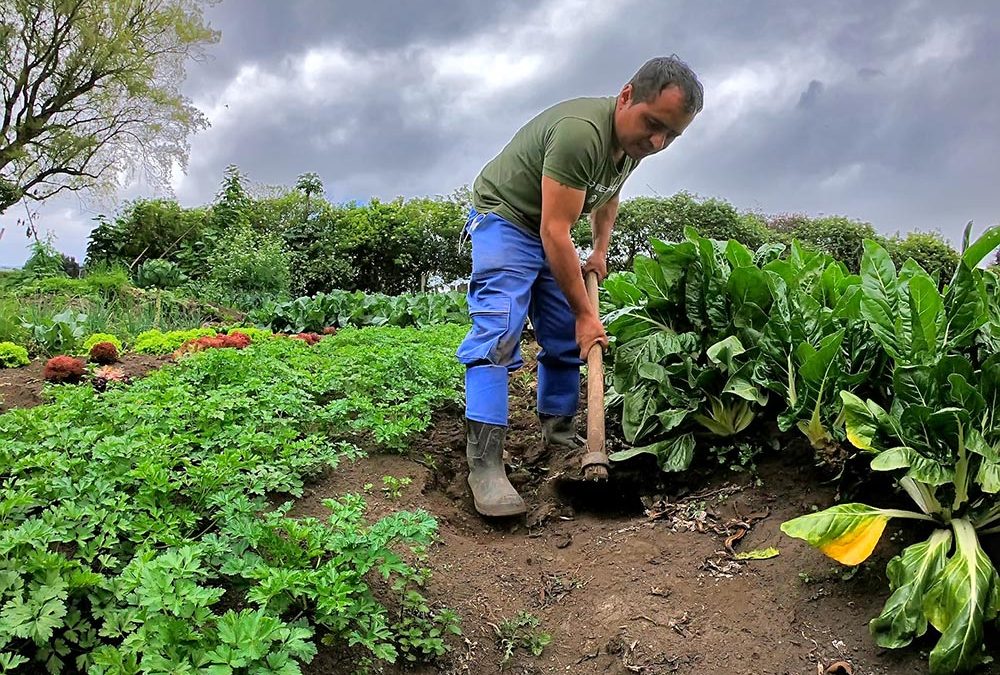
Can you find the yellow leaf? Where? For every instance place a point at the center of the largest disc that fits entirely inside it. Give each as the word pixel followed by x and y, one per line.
pixel 854 546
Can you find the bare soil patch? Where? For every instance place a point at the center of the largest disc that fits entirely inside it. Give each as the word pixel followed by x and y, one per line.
pixel 636 577
pixel 22 387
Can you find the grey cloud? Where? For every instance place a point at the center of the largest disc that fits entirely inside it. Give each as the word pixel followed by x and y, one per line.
pixel 811 94
pixel 870 73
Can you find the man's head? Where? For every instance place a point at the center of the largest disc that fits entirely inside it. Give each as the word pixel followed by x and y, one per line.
pixel 656 106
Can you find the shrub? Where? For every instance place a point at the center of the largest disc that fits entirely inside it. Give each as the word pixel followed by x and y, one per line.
pixel 107 281
pixel 929 250
pixel 12 355
pixel 146 228
pixel 159 273
pixel 644 218
pixel 838 236
pixel 250 262
pixel 44 261
pixel 102 337
pixel 63 370
pixel 104 353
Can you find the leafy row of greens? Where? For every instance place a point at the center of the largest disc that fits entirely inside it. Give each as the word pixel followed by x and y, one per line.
pixel 939 432
pixel 897 363
pixel 135 531
pixel 708 334
pixel 358 309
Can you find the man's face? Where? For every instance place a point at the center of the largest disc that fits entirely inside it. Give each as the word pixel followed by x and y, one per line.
pixel 643 129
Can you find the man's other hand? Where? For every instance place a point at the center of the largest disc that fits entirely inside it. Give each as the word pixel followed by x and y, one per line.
pixel 597 262
pixel 590 331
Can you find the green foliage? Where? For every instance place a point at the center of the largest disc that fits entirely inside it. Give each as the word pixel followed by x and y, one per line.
pixel 60 334
pixel 12 355
pixel 393 247
pixel 644 218
pixel 520 633
pixel 902 368
pixel 392 487
pixel 11 328
pixel 159 273
pixel 148 229
pixel 927 249
pixel 128 514
pixel 936 425
pixel 341 308
pixel 154 341
pixel 124 314
pixel 838 236
pixel 232 204
pixel 45 261
pixel 94 338
pixel 687 327
pixel 250 263
pixel 98 284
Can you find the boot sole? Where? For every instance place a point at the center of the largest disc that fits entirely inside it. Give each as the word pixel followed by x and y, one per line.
pixel 501 511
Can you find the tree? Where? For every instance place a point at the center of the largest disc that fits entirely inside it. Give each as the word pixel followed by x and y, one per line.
pixel 309 184
pixel 91 90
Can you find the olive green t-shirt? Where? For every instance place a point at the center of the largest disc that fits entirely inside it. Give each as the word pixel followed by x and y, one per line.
pixel 571 142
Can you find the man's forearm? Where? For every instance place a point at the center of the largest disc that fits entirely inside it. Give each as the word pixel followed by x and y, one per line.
pixel 565 265
pixel 601 222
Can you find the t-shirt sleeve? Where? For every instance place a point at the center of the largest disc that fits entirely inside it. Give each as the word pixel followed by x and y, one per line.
pixel 572 152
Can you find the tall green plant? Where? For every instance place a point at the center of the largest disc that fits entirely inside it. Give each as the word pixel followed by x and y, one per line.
pixel 939 430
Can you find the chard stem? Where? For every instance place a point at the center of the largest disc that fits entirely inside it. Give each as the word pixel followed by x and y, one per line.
pixel 961 473
pixel 991 516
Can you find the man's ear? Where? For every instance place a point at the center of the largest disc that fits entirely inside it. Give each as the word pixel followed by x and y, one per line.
pixel 625 96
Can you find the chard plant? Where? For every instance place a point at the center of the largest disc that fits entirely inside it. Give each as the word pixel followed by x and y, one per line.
pixel 940 430
pixel 685 325
pixel 816 343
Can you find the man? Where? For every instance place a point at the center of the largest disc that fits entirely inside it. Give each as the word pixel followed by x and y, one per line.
pixel 569 160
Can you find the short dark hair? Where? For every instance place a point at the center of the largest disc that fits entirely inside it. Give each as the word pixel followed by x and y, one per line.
pixel 664 71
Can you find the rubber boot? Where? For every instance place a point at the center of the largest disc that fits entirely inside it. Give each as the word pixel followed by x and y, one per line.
pixel 491 490
pixel 559 431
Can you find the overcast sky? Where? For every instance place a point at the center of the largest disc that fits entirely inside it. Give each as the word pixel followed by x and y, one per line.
pixel 881 111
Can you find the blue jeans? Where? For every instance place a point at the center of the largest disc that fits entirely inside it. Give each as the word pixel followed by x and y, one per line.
pixel 511 281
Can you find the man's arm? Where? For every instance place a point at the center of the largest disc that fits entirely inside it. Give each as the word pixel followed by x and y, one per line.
pixel 602 220
pixel 561 207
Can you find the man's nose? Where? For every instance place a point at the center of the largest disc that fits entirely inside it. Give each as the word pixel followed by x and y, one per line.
pixel 659 141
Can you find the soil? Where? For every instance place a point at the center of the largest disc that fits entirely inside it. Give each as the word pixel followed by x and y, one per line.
pixel 634 577
pixel 22 387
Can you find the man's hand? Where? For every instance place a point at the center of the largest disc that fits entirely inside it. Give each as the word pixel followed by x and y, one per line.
pixel 597 262
pixel 590 331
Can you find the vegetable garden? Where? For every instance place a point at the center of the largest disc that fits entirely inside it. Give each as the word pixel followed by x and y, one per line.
pixel 285 494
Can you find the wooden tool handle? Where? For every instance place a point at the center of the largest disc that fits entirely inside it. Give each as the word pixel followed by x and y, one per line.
pixel 595 380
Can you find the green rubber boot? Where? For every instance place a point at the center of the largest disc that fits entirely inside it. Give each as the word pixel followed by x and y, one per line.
pixel 560 432
pixel 491 490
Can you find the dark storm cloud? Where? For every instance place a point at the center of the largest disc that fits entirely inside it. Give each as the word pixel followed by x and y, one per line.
pixel 880 111
pixel 266 31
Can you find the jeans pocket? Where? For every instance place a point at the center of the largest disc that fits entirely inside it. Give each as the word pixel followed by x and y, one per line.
pixel 490 326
